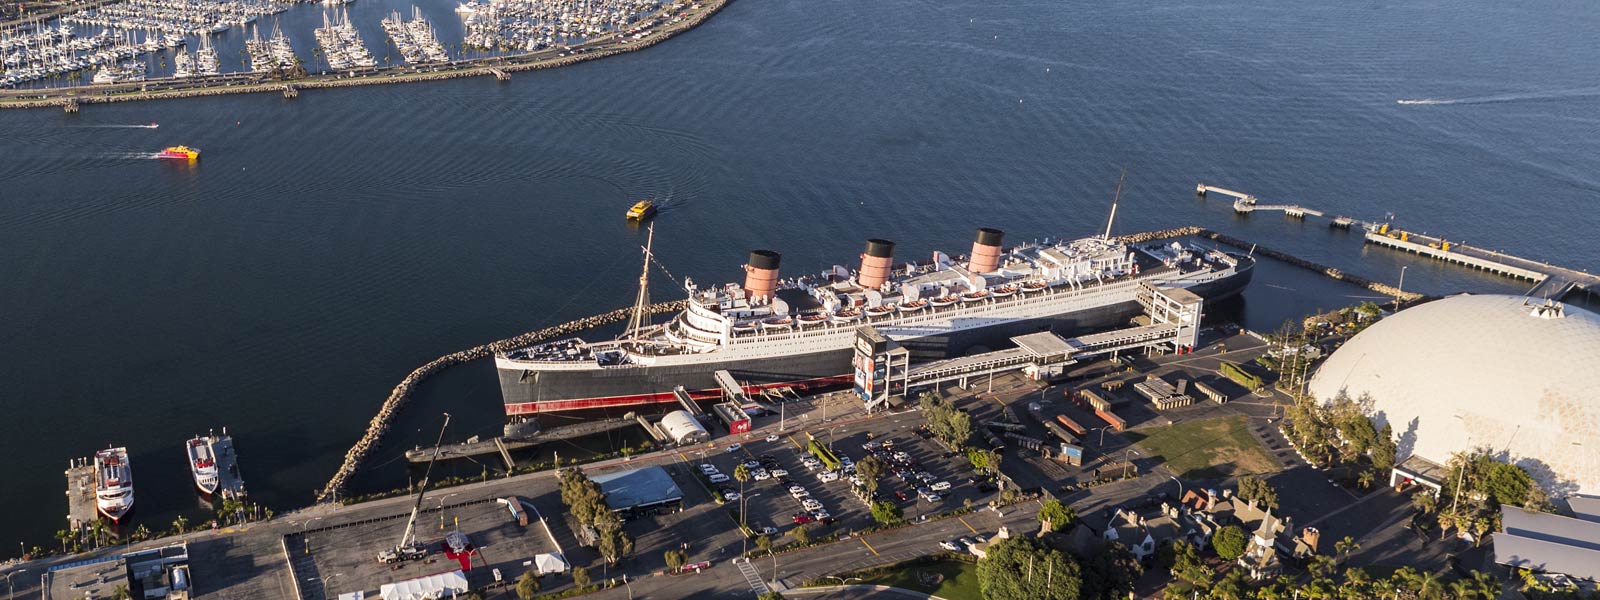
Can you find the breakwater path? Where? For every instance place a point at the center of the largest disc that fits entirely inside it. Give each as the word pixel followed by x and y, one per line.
pixel 500 67
pixel 402 393
pixel 1331 272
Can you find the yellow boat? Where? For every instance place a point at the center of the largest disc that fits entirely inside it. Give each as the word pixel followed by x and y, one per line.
pixel 180 153
pixel 642 210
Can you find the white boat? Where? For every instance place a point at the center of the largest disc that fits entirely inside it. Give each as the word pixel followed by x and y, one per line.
pixel 113 483
pixel 203 464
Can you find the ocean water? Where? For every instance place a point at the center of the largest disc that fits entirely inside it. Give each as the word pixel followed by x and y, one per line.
pixel 327 245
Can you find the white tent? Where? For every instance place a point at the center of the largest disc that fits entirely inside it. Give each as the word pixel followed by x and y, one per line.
pixel 549 562
pixel 432 587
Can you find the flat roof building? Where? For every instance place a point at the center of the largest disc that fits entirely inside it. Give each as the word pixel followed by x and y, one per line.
pixel 1549 543
pixel 640 490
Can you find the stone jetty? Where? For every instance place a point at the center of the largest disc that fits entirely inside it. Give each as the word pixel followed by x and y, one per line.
pixel 1192 231
pixel 402 393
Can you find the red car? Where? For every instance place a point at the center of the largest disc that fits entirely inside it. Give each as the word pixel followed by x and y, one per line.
pixel 901 495
pixel 803 518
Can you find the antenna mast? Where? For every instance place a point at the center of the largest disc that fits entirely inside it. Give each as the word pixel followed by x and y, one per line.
pixel 1114 198
pixel 640 319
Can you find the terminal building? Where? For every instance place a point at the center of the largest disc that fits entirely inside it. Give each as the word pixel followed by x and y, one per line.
pixel 1511 373
pixel 649 490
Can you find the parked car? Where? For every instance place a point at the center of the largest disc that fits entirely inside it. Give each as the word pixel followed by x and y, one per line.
pixel 822 515
pixel 798 494
pixel 761 474
pixel 752 464
pixel 827 476
pixel 708 468
pixel 769 530
pixel 941 486
pixel 933 497
pixel 811 504
pixel 901 495
pixel 772 438
pixel 803 518
pixel 731 496
pixel 964 542
pixel 949 545
pixel 735 447
pixel 780 473
pixel 718 478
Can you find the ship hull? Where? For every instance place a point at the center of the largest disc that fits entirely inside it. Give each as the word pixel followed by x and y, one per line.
pixel 531 392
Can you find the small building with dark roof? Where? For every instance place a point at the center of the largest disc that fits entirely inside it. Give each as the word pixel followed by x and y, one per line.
pixel 640 491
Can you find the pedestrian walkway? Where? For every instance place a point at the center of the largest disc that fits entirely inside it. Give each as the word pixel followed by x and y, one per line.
pixel 751 576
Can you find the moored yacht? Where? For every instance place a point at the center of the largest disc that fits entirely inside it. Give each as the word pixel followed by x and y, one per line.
pixel 113 483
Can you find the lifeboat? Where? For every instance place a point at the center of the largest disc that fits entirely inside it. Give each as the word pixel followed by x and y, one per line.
pixel 848 314
pixel 1004 291
pixel 878 311
pixel 912 306
pixel 813 319
pixel 975 296
pixel 944 300
pixel 744 327
pixel 1034 286
pixel 777 323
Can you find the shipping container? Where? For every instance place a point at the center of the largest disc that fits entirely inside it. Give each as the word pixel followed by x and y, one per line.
pixel 1111 419
pixel 1057 431
pixel 1071 425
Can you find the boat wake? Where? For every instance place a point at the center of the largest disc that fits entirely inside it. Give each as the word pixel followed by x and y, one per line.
pixel 1530 97
pixel 144 126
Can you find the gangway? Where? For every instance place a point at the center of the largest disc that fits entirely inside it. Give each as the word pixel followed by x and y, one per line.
pixel 1245 204
pixel 688 403
pixel 731 390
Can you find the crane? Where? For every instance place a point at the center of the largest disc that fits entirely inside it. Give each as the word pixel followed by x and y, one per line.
pixel 408 549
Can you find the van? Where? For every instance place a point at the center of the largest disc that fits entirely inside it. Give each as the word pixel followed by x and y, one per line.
pixel 718 478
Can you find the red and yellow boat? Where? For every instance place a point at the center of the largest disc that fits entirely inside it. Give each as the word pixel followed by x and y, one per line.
pixel 180 153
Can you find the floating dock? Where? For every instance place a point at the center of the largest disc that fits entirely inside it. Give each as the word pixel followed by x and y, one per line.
pixel 503 446
pixel 230 484
pixel 80 493
pixel 1245 204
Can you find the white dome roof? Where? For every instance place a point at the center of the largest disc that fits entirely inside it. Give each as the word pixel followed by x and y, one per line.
pixel 1486 371
pixel 683 428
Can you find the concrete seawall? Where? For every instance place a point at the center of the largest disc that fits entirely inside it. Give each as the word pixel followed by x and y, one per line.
pixel 402 393
pixel 62 97
pixel 1225 239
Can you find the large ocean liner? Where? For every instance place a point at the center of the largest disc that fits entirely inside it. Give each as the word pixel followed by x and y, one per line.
pixel 798 332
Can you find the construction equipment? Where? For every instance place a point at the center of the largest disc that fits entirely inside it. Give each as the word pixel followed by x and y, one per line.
pixel 408 548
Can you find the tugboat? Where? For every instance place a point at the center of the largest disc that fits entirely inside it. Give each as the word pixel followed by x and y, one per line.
pixel 180 153
pixel 203 464
pixel 642 210
pixel 113 483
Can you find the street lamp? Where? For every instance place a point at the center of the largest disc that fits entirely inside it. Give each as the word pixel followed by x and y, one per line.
pixel 1180 487
pixel 304 536
pixel 842 580
pixel 744 501
pixel 1400 290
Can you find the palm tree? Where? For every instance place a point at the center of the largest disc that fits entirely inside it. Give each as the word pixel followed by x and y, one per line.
pixel 742 474
pixel 1345 547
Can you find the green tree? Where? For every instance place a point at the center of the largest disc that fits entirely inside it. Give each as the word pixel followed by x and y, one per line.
pixel 870 469
pixel 580 577
pixel 886 512
pixel 763 543
pixel 1383 452
pixel 801 534
pixel 121 593
pixel 1186 564
pixel 1110 573
pixel 1252 488
pixel 1345 547
pixel 1229 542
pixel 527 585
pixel 180 525
pixel 676 559
pixel 1233 586
pixel 1023 568
pixel 1055 516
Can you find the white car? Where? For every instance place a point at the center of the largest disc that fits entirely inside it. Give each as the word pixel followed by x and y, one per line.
pixel 941 486
pixel 811 504
pixel 820 514
pixel 718 478
pixel 857 481
pixel 948 545
pixel 769 530
pixel 731 496
pixel 772 438
pixel 827 476
pixel 780 473
pixel 708 468
pixel 797 488
pixel 800 493
pixel 931 497
pixel 761 474
pixel 735 447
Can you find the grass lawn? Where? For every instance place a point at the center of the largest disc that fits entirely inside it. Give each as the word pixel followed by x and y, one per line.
pixel 960 580
pixel 1208 448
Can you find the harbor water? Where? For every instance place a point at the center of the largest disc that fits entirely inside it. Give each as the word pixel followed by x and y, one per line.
pixel 325 246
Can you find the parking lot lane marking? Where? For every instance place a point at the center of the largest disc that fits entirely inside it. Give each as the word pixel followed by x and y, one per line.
pixel 869 546
pixel 969 525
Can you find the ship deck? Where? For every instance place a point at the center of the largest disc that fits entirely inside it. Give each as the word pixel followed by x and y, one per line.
pixel 230 484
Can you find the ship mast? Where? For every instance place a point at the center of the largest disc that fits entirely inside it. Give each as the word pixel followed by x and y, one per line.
pixel 1114 198
pixel 641 319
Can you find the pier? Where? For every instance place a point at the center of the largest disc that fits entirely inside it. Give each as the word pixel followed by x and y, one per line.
pixel 1549 281
pixel 1245 204
pixel 80 493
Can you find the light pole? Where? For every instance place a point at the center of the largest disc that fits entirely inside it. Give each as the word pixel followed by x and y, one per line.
pixel 326 584
pixel 1180 487
pixel 1400 290
pixel 304 536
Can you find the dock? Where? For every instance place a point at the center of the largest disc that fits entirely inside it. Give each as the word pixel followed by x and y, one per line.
pixel 1245 204
pixel 1549 281
pixel 80 493
pixel 503 446
pixel 230 484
